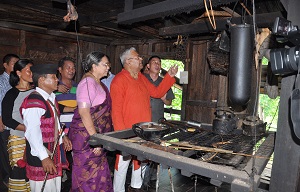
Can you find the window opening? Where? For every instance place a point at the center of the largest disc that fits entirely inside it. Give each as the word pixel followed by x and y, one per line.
pixel 174 110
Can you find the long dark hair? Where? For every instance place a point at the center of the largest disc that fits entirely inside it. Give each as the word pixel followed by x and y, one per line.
pixel 14 79
pixel 92 58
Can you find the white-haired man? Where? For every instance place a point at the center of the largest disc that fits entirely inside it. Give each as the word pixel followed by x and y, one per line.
pixel 130 93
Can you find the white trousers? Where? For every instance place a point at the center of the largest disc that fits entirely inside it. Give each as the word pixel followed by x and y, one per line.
pixel 52 185
pixel 120 175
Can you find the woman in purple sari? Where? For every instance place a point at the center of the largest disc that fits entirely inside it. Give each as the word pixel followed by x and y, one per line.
pixel 93 115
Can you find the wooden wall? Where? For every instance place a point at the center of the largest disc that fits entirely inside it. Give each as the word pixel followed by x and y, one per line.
pixel 204 91
pixel 45 48
pixel 9 43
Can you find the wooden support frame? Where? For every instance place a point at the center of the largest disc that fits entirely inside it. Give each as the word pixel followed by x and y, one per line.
pixel 263 20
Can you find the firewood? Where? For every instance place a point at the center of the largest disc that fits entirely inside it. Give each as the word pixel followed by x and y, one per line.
pixel 185 145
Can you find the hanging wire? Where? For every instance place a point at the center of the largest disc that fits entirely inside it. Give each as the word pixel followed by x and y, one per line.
pixel 269 126
pixel 79 55
pixel 253 170
pixel 77 40
pixel 229 20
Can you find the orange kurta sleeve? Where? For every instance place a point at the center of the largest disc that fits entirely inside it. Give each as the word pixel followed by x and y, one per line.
pixel 162 88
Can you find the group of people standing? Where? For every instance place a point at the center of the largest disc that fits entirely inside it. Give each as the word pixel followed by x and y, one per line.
pixel 38 139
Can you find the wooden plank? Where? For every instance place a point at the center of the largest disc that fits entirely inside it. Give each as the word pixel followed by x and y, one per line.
pixel 202 103
pixel 44 49
pixel 262 20
pixel 141 41
pixel 202 93
pixel 200 114
pixel 23 43
pixel 69 35
pixel 172 111
pixel 222 91
pixel 114 27
pixel 185 92
pixel 164 8
pixel 104 17
pixel 9 37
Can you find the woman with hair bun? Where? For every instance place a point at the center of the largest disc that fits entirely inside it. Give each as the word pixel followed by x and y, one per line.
pixel 20 79
pixel 90 171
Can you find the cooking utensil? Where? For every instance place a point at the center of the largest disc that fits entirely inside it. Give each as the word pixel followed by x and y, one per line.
pixel 150 131
pixel 224 122
pixel 171 125
pixel 184 126
pixel 253 126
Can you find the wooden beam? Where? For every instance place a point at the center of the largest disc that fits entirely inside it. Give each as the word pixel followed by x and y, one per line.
pixel 262 20
pixel 60 1
pixel 164 8
pixel 104 17
pixel 69 35
pixel 115 27
pixel 40 8
pixel 172 111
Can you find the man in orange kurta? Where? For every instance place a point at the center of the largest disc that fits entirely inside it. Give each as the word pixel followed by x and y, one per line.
pixel 130 93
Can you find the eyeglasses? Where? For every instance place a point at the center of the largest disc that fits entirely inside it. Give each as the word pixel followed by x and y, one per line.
pixel 106 65
pixel 136 58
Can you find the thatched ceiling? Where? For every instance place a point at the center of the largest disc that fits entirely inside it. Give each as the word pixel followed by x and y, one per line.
pixel 135 19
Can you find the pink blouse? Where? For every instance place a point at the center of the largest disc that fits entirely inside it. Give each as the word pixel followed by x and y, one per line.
pixel 89 93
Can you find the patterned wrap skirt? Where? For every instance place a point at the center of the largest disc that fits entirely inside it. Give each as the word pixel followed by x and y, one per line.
pixel 17 180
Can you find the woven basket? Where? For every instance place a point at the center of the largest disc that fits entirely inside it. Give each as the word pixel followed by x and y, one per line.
pixel 218 59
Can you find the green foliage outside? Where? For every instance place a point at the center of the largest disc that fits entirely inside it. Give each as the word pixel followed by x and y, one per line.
pixel 176 103
pixel 270 111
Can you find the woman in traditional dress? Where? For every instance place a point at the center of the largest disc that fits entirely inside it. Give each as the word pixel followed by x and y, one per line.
pixel 93 115
pixel 20 80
